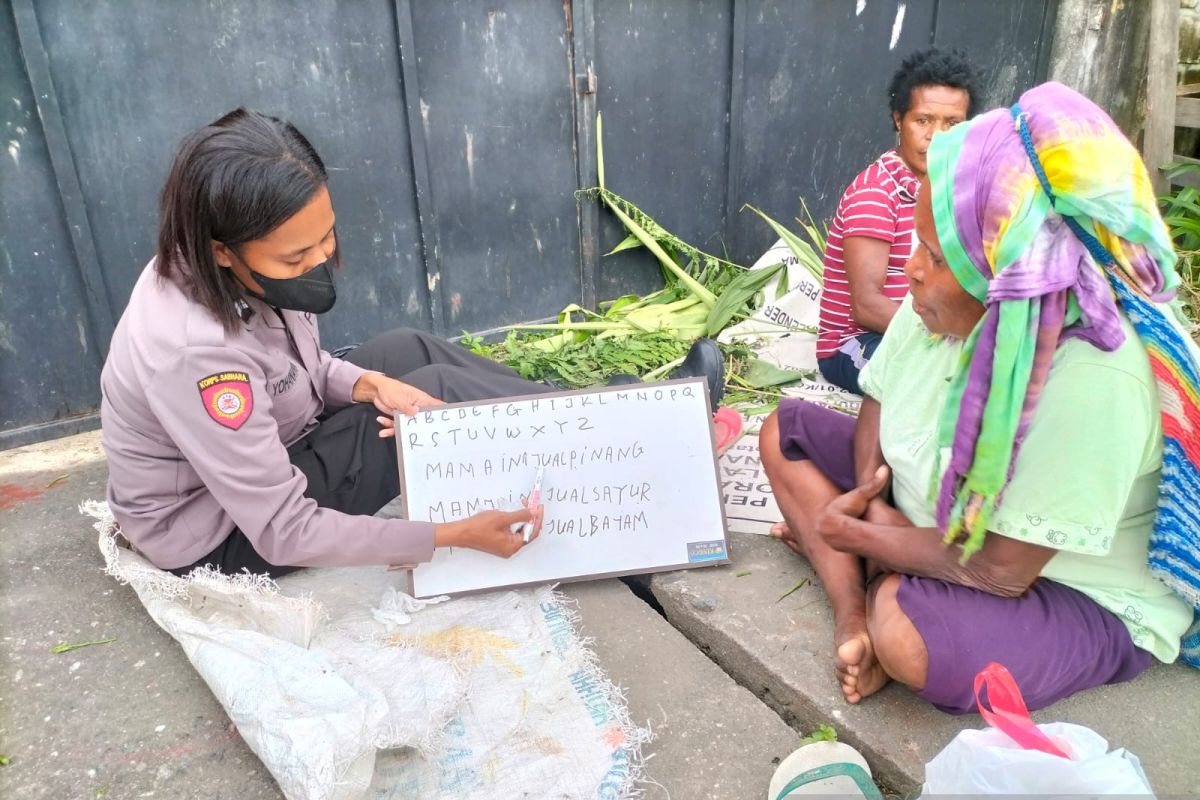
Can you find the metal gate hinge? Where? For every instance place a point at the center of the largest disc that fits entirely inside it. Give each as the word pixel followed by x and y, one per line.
pixel 586 84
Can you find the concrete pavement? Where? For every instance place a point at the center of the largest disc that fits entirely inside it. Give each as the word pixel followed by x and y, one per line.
pixel 720 682
pixel 132 719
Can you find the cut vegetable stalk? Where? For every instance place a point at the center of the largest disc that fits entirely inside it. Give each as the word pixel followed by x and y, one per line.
pixel 705 296
pixel 656 374
pixel 599 149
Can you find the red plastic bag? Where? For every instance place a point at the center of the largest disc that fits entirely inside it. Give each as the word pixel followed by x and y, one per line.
pixel 1008 711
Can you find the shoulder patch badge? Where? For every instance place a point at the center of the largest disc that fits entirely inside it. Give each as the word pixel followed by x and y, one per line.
pixel 227 398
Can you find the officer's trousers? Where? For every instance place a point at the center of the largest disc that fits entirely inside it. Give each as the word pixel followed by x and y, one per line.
pixel 348 466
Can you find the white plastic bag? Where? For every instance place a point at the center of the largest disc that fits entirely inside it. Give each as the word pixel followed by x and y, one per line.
pixel 1015 756
pixel 988 762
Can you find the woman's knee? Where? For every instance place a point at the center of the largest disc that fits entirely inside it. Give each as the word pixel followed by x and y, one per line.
pixel 897 642
pixel 768 443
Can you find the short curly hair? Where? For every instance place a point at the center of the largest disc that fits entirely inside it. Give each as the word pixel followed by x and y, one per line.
pixel 934 67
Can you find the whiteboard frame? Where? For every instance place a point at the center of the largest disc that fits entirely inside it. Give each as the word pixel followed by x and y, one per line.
pixel 712 435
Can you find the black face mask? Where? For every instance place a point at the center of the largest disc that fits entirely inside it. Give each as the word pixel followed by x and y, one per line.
pixel 313 291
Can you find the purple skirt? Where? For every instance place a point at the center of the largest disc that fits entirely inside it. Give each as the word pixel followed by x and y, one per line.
pixel 1054 640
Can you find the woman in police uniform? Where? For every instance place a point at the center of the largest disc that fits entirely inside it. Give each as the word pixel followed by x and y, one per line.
pixel 232 438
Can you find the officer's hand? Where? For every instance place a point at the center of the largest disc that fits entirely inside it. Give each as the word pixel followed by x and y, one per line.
pixel 390 395
pixel 495 532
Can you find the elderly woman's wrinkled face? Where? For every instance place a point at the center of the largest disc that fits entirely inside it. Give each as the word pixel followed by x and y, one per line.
pixel 943 305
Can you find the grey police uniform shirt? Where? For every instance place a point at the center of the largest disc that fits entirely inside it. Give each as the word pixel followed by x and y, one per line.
pixel 196 421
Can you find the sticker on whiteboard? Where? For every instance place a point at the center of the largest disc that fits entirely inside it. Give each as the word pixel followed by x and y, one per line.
pixel 705 551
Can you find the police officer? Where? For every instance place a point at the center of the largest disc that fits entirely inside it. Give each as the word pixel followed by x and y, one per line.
pixel 232 438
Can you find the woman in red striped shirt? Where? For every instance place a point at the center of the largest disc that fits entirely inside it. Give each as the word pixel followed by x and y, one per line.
pixel 871 237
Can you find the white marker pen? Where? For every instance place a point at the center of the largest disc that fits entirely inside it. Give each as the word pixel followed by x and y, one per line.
pixel 535 498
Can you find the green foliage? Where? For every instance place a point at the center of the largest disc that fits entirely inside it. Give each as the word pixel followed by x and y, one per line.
pixel 711 271
pixel 648 336
pixel 823 733
pixel 588 361
pixel 762 374
pixel 628 243
pixel 739 296
pixel 1181 212
pixel 805 253
pixel 645 336
pixel 750 400
pixel 473 343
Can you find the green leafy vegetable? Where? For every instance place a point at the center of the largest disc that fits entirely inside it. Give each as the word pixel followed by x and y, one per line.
pixel 763 373
pixel 648 336
pixel 739 296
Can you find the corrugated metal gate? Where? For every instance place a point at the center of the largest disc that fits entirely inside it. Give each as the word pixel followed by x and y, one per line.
pixel 455 131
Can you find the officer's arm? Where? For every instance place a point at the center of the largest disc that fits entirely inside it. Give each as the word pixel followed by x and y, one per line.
pixel 214 404
pixel 338 377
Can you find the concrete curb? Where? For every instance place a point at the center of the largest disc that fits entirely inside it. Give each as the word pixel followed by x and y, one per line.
pixel 714 739
pixel 782 650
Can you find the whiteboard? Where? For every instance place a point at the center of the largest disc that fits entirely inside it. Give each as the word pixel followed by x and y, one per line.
pixel 629 484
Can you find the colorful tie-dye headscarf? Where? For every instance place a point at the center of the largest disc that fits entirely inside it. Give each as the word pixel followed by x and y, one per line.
pixel 1046 215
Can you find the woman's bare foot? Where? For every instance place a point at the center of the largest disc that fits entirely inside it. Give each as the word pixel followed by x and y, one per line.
pixel 783 532
pixel 859 674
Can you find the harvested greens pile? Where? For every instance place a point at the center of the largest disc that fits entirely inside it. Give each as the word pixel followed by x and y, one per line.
pixel 649 335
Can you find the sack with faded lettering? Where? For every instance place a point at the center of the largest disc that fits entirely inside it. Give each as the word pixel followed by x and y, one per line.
pixel 784 328
pixel 346 688
pixel 783 331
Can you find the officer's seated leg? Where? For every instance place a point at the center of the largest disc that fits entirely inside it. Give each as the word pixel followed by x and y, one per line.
pixel 457 384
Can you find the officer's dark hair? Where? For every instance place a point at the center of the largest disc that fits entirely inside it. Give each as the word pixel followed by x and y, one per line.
pixel 233 181
pixel 933 67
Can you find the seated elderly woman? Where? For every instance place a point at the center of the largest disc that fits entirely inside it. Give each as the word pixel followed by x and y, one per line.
pixel 871 236
pixel 1032 414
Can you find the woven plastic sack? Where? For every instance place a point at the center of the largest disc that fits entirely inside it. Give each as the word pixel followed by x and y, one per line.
pixel 346 688
pixel 783 331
